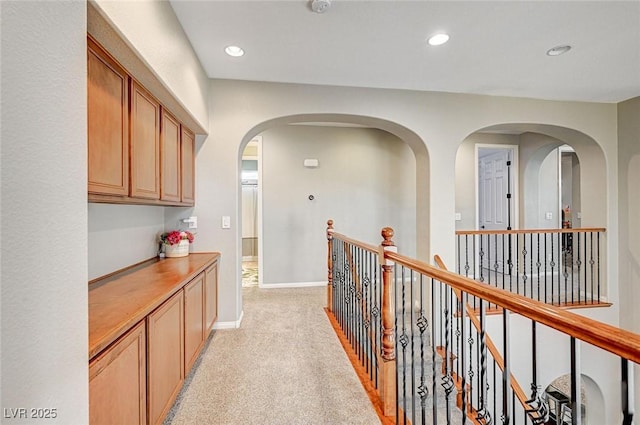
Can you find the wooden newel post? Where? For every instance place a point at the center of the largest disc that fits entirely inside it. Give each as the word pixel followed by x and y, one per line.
pixel 388 364
pixel 329 264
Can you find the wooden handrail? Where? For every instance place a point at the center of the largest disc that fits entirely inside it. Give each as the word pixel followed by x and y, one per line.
pixel 610 338
pixel 534 231
pixel 365 246
pixel 515 385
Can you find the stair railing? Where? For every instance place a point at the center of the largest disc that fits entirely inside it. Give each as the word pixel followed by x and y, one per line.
pixel 563 267
pixel 407 321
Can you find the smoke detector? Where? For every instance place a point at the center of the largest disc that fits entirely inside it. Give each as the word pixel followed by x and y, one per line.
pixel 320 6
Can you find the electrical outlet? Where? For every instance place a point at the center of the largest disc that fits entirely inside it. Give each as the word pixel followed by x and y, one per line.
pixel 458 217
pixel 193 222
pixel 549 215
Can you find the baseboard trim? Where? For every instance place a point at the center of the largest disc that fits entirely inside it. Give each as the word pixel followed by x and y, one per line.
pixel 229 325
pixel 291 285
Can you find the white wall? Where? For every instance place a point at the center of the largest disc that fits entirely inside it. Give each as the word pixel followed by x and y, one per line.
pixel 122 235
pixel 365 181
pixel 44 209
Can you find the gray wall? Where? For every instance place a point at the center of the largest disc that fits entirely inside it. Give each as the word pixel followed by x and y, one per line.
pixel 548 196
pixel 44 209
pixel 365 181
pixel 122 235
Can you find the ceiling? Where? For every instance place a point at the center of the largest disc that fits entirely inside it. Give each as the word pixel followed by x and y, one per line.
pixel 496 47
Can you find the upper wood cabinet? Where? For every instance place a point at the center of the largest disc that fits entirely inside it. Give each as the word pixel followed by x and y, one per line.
pixel 188 167
pixel 170 158
pixel 138 152
pixel 145 144
pixel 108 123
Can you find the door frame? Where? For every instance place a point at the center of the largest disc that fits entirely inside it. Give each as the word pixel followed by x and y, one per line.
pixel 515 180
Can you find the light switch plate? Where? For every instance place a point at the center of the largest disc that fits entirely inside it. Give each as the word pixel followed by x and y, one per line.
pixel 226 222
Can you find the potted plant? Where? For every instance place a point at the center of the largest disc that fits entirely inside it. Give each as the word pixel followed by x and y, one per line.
pixel 176 243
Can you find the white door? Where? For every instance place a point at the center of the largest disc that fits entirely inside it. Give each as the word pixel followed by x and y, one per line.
pixel 495 203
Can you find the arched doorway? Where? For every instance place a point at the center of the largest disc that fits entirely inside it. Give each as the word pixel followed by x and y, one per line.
pixel 296 197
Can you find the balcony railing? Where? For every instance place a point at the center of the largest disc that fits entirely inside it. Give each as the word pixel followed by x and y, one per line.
pixel 427 353
pixel 563 267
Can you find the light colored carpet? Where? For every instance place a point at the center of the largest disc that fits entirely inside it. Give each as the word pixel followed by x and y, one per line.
pixel 284 365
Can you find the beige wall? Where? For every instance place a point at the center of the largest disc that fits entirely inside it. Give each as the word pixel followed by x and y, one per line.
pixel 438 121
pixel 629 213
pixel 365 181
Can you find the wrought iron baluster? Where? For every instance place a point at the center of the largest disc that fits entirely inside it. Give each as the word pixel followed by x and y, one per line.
pixel 447 381
pixel 565 251
pixel 412 339
pixel 591 263
pixel 463 357
pixel 546 290
pixel 524 264
pixel 598 257
pixel 423 326
pixel 627 392
pixel 576 415
pixel 434 404
pixel 483 412
pixel 579 263
pixel 506 373
pixel 538 264
pixel 531 264
pixel 403 340
pixel 572 273
pixel 517 263
pixel 552 266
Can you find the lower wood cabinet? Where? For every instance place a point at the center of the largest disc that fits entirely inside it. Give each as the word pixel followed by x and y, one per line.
pixel 211 297
pixel 136 379
pixel 193 321
pixel 117 381
pixel 165 347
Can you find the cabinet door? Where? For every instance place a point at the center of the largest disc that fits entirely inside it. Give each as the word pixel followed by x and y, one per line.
pixel 193 321
pixel 188 166
pixel 165 356
pixel 108 123
pixel 170 157
pixel 211 297
pixel 117 381
pixel 145 144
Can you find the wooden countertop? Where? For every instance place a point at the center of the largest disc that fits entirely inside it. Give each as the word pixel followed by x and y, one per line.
pixel 119 301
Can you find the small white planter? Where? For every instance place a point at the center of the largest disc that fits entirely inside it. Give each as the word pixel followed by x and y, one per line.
pixel 179 250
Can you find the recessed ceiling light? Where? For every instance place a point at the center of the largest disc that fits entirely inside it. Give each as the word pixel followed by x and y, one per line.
pixel 558 50
pixel 234 51
pixel 438 39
